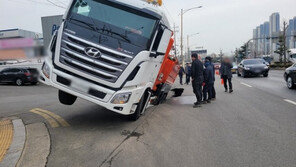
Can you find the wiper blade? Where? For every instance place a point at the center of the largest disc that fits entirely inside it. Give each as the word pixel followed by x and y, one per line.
pixel 114 33
pixel 85 23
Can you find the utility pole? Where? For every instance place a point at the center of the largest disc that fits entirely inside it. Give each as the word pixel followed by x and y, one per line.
pixel 175 39
pixel 182 56
pixel 284 36
pixel 188 49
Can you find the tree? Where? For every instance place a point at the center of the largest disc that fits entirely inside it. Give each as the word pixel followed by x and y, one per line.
pixel 241 53
pixel 282 48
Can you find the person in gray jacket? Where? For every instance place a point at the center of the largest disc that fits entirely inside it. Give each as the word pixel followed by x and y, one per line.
pixel 209 79
pixel 226 74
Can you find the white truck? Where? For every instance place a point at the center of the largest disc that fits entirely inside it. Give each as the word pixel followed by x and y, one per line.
pixel 108 52
pixel 292 55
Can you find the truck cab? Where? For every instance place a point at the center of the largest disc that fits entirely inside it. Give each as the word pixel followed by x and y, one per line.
pixel 292 55
pixel 108 52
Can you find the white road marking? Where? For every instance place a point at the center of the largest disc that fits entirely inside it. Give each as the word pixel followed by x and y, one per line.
pixel 246 85
pixel 290 101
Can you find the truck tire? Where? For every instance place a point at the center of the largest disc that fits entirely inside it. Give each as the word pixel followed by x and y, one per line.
pixel 66 98
pixel 140 108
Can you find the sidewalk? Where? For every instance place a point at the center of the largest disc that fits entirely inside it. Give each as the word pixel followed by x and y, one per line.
pixel 23 146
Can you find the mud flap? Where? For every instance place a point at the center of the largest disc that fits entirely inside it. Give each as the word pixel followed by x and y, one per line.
pixel 178 92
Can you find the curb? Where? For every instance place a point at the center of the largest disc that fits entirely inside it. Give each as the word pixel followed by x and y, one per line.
pixel 15 150
pixel 37 147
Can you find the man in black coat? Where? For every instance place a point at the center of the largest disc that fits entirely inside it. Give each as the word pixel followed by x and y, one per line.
pixel 226 74
pixel 197 78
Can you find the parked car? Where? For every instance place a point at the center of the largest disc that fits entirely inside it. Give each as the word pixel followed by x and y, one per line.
pixel 19 76
pixel 290 76
pixel 234 68
pixel 252 67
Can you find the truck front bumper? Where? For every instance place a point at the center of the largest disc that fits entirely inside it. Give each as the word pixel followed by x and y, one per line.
pixel 93 92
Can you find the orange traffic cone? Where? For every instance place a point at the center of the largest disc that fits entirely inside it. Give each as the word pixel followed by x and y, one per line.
pixel 222 81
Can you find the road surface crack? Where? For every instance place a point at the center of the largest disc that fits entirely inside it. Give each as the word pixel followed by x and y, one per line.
pixel 128 135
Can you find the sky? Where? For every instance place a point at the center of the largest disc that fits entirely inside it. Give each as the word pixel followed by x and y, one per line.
pixel 221 24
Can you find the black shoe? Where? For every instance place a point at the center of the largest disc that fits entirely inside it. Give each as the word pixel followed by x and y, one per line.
pixel 196 105
pixel 208 101
pixel 226 90
pixel 230 91
pixel 204 102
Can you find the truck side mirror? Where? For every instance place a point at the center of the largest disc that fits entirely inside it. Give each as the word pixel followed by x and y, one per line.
pixel 164 42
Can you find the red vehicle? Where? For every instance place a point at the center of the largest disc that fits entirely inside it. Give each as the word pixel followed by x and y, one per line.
pixel 166 76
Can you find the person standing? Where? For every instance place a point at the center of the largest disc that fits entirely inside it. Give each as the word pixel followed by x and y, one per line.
pixel 208 82
pixel 226 74
pixel 188 73
pixel 181 73
pixel 213 88
pixel 197 78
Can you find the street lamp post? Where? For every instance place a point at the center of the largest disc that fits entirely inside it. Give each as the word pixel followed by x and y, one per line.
pixel 182 13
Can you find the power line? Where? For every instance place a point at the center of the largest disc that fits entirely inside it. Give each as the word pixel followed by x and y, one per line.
pixel 61 2
pixel 21 2
pixel 55 4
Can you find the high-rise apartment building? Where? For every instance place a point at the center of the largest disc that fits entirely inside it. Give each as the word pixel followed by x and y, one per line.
pixel 274 29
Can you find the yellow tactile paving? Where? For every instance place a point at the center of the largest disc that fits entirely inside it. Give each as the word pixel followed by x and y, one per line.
pixel 6 135
pixel 55 116
pixel 53 123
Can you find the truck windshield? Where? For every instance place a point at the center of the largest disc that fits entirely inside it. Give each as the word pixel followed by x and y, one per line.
pixel 105 17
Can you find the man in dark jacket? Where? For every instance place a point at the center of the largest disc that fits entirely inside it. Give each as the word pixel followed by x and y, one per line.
pixel 226 74
pixel 209 81
pixel 197 78
pixel 181 73
pixel 188 73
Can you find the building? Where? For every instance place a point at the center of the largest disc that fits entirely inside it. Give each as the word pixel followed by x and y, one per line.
pixel 266 37
pixel 266 40
pixel 274 29
pixel 18 44
pixel 291 34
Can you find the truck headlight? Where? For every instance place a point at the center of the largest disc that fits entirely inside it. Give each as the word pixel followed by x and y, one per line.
pixel 247 68
pixel 266 67
pixel 121 98
pixel 46 70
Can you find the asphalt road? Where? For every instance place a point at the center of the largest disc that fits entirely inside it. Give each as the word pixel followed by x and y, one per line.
pixel 254 126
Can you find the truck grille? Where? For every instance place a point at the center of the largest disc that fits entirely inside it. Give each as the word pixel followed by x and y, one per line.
pixel 108 66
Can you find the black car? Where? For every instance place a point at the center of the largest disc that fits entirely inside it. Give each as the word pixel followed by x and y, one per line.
pixel 290 76
pixel 252 67
pixel 19 76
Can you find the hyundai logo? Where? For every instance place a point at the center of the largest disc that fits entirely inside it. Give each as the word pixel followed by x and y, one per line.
pixel 92 52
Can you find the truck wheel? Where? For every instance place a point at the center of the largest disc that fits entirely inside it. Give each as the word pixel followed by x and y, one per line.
pixel 141 107
pixel 66 98
pixel 265 75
